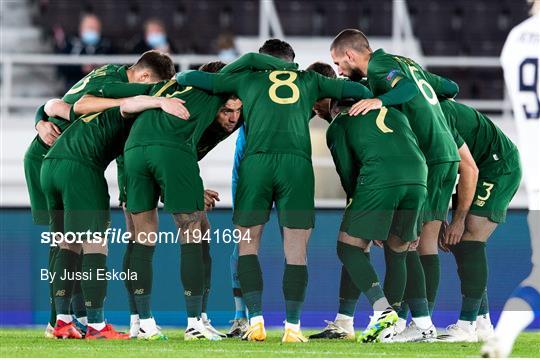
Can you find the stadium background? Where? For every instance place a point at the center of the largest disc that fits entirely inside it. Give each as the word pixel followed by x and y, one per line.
pixel 461 40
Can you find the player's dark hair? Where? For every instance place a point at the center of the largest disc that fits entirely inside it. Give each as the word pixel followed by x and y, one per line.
pixel 323 69
pixel 212 67
pixel 352 39
pixel 278 48
pixel 160 64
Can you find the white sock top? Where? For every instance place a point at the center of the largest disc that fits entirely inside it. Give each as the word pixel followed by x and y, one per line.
pixel 192 321
pixel 83 320
pixel 256 319
pixel 148 324
pixel 423 322
pixel 342 317
pixel 65 318
pixel 97 326
pixel 293 327
pixel 133 318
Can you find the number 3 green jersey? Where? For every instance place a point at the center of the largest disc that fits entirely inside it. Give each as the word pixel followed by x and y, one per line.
pixel 375 151
pixel 423 111
pixel 277 107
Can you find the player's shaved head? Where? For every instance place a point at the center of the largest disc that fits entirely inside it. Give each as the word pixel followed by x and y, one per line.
pixel 278 48
pixel 212 67
pixel 159 64
pixel 323 69
pixel 350 39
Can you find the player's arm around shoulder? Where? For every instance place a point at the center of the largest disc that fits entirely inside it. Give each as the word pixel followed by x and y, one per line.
pixel 48 132
pixel 130 107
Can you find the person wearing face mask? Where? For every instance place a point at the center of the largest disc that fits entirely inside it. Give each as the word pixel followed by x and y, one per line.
pixel 88 42
pixel 153 38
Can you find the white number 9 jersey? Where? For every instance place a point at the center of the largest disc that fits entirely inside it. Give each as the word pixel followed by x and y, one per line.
pixel 520 61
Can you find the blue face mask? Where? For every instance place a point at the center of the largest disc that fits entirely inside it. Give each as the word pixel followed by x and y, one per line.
pixel 90 37
pixel 156 40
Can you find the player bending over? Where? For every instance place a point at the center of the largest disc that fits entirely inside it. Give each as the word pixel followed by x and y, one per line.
pixel 396 80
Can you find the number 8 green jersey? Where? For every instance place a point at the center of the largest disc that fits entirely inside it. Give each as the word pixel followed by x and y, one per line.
pixel 423 111
pixel 277 107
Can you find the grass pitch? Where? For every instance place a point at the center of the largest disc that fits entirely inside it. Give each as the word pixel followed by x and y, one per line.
pixel 31 343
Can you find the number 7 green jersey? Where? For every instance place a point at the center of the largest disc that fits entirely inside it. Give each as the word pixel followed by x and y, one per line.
pixel 423 111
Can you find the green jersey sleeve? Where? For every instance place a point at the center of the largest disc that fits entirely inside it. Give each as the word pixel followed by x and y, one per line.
pixel 384 72
pixel 443 87
pixel 327 87
pixel 40 114
pixel 343 158
pixel 228 83
pixel 254 61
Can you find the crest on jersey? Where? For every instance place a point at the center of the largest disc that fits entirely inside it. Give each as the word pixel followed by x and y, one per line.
pixel 392 74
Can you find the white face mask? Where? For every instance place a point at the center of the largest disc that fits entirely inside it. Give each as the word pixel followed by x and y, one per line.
pixel 156 40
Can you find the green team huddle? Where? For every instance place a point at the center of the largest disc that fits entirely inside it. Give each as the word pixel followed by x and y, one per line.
pixel 398 140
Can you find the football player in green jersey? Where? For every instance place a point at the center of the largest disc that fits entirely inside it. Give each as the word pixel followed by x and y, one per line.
pixel 276 168
pixel 384 174
pixel 499 177
pixel 76 206
pixel 399 81
pixel 146 69
pixel 159 145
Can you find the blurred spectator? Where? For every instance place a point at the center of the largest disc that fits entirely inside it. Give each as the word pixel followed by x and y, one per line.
pixel 226 48
pixel 154 38
pixel 88 42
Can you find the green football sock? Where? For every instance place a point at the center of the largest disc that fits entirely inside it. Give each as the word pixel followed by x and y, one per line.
pixel 66 262
pixel 94 289
pixel 207 264
pixel 348 294
pixel 415 290
pixel 361 271
pixel 473 272
pixel 126 263
pixel 396 276
pixel 192 275
pixel 141 264
pixel 53 251
pixel 295 279
pixel 432 270
pixel 403 311
pixel 484 305
pixel 77 299
pixel 251 283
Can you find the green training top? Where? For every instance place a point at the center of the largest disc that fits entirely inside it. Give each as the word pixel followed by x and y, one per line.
pixel 423 110
pixel 487 143
pixel 156 127
pixel 375 150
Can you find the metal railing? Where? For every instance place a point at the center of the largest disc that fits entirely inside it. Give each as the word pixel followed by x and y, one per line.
pixel 8 61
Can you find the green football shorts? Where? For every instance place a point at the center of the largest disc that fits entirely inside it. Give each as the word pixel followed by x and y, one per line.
pixel 495 189
pixel 155 170
pixel 440 185
pixel 285 179
pixel 33 158
pixel 374 214
pixel 77 196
